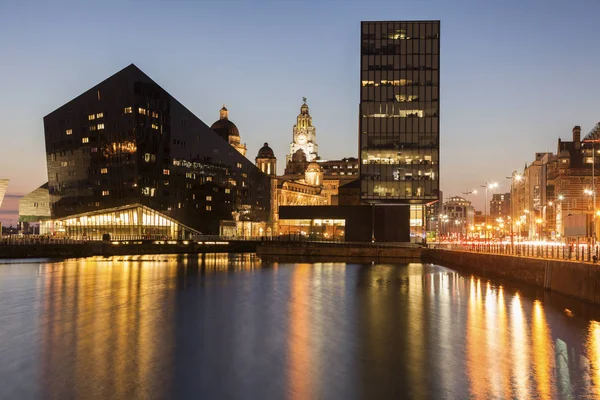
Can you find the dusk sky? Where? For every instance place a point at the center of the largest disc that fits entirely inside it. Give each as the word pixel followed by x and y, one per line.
pixel 515 75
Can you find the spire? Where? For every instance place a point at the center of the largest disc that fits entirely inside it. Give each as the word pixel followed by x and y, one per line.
pixel 224 114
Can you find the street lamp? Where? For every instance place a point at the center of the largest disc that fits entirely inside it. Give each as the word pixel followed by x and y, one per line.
pixel 489 185
pixel 513 178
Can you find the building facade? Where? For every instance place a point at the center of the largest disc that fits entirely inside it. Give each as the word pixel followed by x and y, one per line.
pixel 126 158
pixel 458 217
pixel 500 205
pixel 399 115
pixel 228 131
pixel 304 141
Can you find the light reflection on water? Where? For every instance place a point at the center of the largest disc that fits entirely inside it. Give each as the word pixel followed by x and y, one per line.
pixel 220 326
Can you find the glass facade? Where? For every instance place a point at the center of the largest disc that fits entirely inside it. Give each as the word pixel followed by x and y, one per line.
pixel 315 229
pixel 127 223
pixel 127 141
pixel 399 112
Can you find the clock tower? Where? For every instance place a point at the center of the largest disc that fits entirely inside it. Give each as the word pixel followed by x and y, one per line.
pixel 304 137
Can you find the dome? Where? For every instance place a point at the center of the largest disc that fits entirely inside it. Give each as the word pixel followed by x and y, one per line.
pixel 266 152
pixel 224 127
pixel 313 167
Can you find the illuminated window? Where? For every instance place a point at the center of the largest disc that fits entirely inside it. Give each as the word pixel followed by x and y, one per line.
pixel 188 175
pixel 105 193
pixel 239 165
pixel 91 117
pixel 154 114
pixel 209 179
pixel 142 111
pixel 208 198
pixel 166 172
pixel 92 128
pixel 100 126
pixel 63 164
pixel 154 126
pixel 69 131
pixel 128 110
pixel 104 171
pixel 85 140
pixel 227 190
pixel 100 115
pixel 208 208
pixel 403 98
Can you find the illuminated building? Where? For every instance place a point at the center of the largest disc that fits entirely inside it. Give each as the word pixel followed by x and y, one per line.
pixel 399 117
pixel 3 187
pixel 459 216
pixel 304 144
pixel 228 131
pixel 126 158
pixel 35 207
pixel 500 205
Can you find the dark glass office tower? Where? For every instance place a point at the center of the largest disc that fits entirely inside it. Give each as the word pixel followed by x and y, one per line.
pixel 127 158
pixel 399 115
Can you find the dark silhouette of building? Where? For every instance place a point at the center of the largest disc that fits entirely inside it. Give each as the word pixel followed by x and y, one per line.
pixel 127 158
pixel 399 116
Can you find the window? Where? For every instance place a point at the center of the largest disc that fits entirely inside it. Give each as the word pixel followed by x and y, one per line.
pixel 142 111
pixel 92 128
pixel 227 190
pixel 104 170
pixel 91 117
pixel 100 126
pixel 85 140
pixel 94 150
pixel 105 193
pixel 239 165
pixel 166 172
pixel 208 208
pixel 154 114
pixel 208 198
pixel 209 179
pixel 63 164
pixel 128 110
pixel 100 115
pixel 154 126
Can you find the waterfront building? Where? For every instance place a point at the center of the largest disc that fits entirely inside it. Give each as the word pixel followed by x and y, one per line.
pixel 34 208
pixel 228 131
pixel 531 195
pixel 3 187
pixel 576 185
pixel 399 117
pixel 126 158
pixel 459 217
pixel 303 147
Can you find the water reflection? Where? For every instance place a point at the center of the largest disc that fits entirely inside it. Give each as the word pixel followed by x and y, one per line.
pixel 221 326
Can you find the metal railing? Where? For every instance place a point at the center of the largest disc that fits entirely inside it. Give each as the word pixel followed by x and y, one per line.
pixel 573 252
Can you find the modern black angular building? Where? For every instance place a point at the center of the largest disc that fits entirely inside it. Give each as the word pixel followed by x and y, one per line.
pixel 399 121
pixel 126 158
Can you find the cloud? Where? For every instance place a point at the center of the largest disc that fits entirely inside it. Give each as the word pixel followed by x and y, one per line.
pixel 8 212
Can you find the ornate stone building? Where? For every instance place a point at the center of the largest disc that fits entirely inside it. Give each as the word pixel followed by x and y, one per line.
pixel 304 146
pixel 228 131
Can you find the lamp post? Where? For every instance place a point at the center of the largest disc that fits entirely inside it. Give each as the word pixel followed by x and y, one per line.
pixel 489 185
pixel 513 178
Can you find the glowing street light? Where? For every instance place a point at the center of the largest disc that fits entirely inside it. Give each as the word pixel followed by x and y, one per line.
pixel 489 185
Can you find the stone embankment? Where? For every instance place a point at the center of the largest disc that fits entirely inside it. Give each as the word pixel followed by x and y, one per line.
pixel 576 279
pixel 88 249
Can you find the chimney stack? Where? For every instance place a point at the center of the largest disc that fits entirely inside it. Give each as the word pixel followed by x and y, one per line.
pixel 577 134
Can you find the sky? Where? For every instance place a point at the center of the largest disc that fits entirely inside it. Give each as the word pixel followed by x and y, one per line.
pixel 514 76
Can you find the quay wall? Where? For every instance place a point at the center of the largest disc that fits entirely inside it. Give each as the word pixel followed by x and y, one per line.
pixel 88 249
pixel 338 252
pixel 571 278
